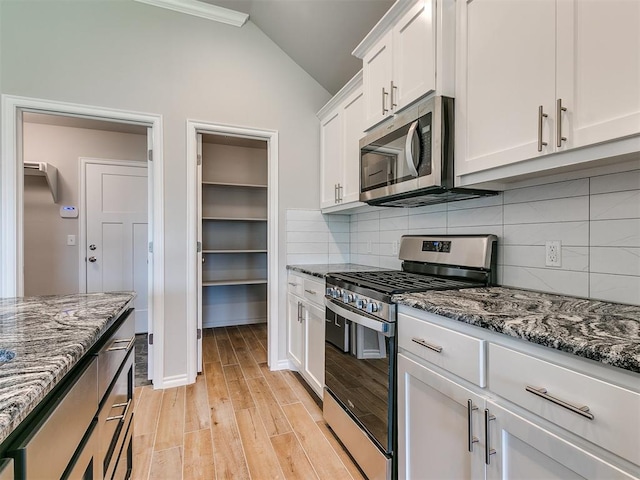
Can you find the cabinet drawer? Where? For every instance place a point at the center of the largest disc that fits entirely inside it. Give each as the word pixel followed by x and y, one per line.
pixel 295 285
pixel 314 291
pixel 456 352
pixel 615 411
pixel 113 353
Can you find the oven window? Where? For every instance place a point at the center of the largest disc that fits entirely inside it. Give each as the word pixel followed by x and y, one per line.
pixel 360 377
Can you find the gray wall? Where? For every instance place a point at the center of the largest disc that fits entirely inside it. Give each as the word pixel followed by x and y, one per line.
pixel 50 265
pixel 132 56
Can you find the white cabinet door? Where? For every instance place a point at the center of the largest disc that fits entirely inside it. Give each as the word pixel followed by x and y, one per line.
pixel 434 428
pixel 524 450
pixel 353 119
pixel 377 65
pixel 414 55
pixel 314 347
pixel 330 157
pixel 510 73
pixel 598 75
pixel 295 330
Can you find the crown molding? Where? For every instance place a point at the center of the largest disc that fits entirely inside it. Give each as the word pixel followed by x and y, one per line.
pixel 348 89
pixel 201 9
pixel 386 22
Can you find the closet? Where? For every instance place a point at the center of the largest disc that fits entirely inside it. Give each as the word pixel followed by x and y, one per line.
pixel 232 236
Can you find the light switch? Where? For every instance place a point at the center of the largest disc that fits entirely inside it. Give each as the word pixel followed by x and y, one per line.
pixel 71 240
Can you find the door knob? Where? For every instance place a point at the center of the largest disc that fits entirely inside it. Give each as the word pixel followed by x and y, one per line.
pixel 92 247
pixel 92 259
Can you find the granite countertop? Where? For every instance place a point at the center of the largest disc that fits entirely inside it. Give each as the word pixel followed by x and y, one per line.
pixel 605 332
pixel 321 270
pixel 48 335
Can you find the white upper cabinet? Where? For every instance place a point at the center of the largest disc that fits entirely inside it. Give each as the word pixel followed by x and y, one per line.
pixel 341 127
pixel 543 77
pixel 402 53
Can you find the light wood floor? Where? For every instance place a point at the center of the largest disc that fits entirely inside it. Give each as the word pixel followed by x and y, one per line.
pixel 239 420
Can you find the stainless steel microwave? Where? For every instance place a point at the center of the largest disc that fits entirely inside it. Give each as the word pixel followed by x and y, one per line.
pixel 409 162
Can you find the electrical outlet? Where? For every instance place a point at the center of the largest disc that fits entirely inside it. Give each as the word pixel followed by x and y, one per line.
pixel 394 247
pixel 368 246
pixel 553 253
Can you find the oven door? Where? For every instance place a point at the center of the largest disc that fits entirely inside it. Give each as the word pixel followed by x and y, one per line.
pixel 360 370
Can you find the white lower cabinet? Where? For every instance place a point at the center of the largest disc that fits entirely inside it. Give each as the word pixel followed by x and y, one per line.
pixel 305 328
pixel 522 449
pixel 439 427
pixel 452 428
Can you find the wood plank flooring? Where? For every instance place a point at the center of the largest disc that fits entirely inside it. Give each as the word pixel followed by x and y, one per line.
pixel 238 421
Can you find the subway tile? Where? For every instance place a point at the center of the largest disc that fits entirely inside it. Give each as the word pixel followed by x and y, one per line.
pixel 339 258
pixel 388 236
pixel 616 182
pixel 369 225
pixel 489 201
pixel 394 223
pixel 293 237
pixel 573 188
pixel 428 231
pixel 569 233
pixel 475 216
pixel 572 258
pixel 394 212
pixel 339 227
pixel 339 237
pixel 427 220
pixel 307 215
pixel 564 282
pixel 616 260
pixel 619 205
pixel 392 263
pixel 438 207
pixel 335 218
pixel 371 260
pixel 363 217
pixel 293 248
pixel 497 230
pixel 307 226
pixel 545 211
pixel 615 288
pixel 615 233
pixel 342 248
pixel 306 259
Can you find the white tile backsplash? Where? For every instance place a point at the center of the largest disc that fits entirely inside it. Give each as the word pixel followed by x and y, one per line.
pixel 596 219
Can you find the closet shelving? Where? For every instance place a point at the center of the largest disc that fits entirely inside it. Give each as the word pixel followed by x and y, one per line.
pixel 233 209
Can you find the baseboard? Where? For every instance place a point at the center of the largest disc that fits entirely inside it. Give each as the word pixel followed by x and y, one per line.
pixel 285 364
pixel 234 322
pixel 175 381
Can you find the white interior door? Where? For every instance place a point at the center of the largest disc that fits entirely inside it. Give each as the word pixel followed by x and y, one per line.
pixel 116 239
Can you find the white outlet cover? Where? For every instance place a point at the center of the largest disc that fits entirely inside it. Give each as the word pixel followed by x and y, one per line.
pixel 553 253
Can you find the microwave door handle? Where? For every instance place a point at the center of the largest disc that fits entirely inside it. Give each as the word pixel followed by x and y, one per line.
pixel 408 149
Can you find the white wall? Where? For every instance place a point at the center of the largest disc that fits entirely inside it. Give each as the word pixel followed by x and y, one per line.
pixel 597 219
pixel 50 265
pixel 132 56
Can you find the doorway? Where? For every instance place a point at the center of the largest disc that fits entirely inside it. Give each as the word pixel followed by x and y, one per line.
pixel 12 251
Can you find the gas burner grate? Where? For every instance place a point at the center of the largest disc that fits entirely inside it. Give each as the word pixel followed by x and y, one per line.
pixel 394 281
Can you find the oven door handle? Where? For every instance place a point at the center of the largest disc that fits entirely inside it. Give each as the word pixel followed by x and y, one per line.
pixel 380 326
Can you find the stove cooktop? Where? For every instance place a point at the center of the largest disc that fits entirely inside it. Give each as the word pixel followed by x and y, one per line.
pixel 391 282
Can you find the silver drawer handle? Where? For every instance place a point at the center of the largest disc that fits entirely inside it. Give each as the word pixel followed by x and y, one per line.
pixel 542 392
pixel 130 342
pixel 470 436
pixel 124 414
pixel 310 291
pixel 488 451
pixel 435 348
pixel 293 284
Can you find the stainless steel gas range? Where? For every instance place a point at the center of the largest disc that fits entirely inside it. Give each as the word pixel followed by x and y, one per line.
pixel 360 344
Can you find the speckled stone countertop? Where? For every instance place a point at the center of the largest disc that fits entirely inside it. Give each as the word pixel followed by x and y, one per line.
pixel 48 335
pixel 601 331
pixel 321 270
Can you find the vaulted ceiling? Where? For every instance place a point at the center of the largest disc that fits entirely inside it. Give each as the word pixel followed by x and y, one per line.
pixel 319 35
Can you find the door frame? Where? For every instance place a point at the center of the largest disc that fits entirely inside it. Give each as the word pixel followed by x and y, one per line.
pixel 271 137
pixel 12 201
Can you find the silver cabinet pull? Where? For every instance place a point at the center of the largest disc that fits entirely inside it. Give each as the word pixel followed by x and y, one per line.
pixel 384 103
pixel 559 110
pixel 310 291
pixel 124 414
pixel 471 438
pixel 299 311
pixel 488 451
pixel 335 193
pixel 541 115
pixel 542 392
pixel 435 348
pixel 339 192
pixel 293 284
pixel 128 346
pixel 393 87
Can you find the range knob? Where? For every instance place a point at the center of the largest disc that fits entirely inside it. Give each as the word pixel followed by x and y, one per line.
pixel 373 307
pixel 348 297
pixel 361 304
pixel 329 292
pixel 337 293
